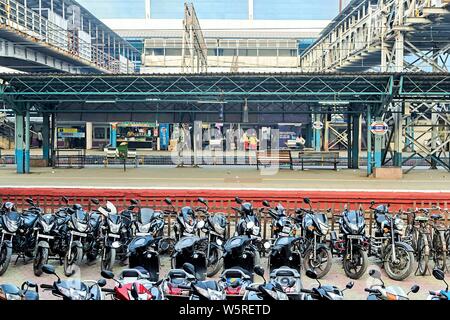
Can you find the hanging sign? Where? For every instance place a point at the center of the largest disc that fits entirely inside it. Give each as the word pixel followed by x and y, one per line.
pixel 379 128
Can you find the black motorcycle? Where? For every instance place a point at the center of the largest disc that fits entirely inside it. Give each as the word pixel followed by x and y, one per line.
pixel 282 225
pixel 78 228
pixel 241 252
pixel 316 254
pixel 215 229
pixel 201 289
pixel 10 221
pixel 24 243
pixel 322 292
pixel 73 289
pixel 352 244
pixel 191 249
pixel 93 243
pixel 143 252
pixel 285 252
pixel 386 244
pixel 28 291
pixel 249 223
pixel 186 223
pixel 266 291
pixel 45 235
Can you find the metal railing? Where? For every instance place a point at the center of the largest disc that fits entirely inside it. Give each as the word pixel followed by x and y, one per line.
pixel 22 19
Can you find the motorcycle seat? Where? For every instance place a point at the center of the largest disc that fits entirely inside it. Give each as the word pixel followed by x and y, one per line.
pixel 138 272
pixel 436 216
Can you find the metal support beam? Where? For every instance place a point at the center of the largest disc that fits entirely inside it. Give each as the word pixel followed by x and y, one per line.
pixel 356 121
pixel 369 141
pixel 19 143
pixel 398 133
pixel 377 149
pixel 27 140
pixel 349 142
pixel 46 136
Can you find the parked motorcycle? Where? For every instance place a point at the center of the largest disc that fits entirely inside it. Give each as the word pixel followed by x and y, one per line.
pixel 24 243
pixel 249 223
pixel 387 244
pixel 201 289
pixel 352 244
pixel 143 253
pixel 215 229
pixel 234 281
pixel 28 291
pixel 316 254
pixel 73 289
pixel 441 294
pixel 186 223
pixel 271 290
pixel 78 228
pixel 191 249
pixel 45 235
pixel 175 284
pixel 93 243
pixel 380 292
pixel 290 280
pixel 133 284
pixel 282 225
pixel 241 252
pixel 321 292
pixel 10 223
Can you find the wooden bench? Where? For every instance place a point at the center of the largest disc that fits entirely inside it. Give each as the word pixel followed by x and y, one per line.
pixel 322 157
pixel 269 157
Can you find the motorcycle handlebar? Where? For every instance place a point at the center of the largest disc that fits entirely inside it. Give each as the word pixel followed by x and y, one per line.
pixel 108 290
pixel 306 291
pixel 370 290
pixel 252 289
pixel 46 286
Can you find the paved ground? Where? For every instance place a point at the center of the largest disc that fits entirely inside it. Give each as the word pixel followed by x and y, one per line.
pixel 222 177
pixel 19 273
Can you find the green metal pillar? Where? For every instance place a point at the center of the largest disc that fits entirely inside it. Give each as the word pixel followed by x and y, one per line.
pixel 349 142
pixel 369 141
pixel 356 120
pixel 398 127
pixel 27 141
pixel 19 145
pixel 46 136
pixel 317 134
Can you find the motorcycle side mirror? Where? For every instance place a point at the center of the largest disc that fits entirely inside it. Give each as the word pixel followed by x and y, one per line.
pixel 134 201
pixel 95 201
pixel 49 269
pixel 259 271
pixel 266 203
pixel 101 283
pixel 415 288
pixel 201 200
pixel 189 268
pixel 307 200
pixel 375 274
pixel 372 203
pixel 238 200
pixel 311 274
pixel 168 201
pixel 107 274
pixel 438 274
pixel 350 285
pixel 29 201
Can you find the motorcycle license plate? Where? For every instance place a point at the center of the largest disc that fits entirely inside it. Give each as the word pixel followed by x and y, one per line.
pixel 112 235
pixel 355 237
pixel 286 230
pixel 45 236
pixel 79 234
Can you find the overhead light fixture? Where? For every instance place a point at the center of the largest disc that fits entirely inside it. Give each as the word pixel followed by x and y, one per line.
pixel 333 103
pixel 152 99
pixel 101 101
pixel 211 102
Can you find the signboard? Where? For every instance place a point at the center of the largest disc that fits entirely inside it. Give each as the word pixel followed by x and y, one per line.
pixel 70 133
pixel 164 136
pixel 137 124
pixel 317 125
pixel 379 128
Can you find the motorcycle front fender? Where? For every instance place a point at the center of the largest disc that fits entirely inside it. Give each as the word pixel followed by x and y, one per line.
pixel 43 244
pixel 404 245
pixel 8 243
pixel 77 244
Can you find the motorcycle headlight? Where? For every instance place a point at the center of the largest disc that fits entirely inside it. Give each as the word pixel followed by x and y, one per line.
pixel 255 231
pixel 114 228
pixel 144 228
pixel 73 293
pixel 323 227
pixel 219 242
pixel 81 227
pixel 46 227
pixel 11 225
pixel 250 224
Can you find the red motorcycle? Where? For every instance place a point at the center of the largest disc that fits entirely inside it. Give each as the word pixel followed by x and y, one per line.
pixel 133 284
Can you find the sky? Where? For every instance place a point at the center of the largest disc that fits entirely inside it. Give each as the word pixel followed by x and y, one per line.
pixel 216 9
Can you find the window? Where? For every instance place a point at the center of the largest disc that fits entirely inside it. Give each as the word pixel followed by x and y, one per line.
pixel 173 52
pixel 287 52
pixel 212 52
pixel 248 52
pixel 154 51
pixel 229 52
pixel 99 133
pixel 267 52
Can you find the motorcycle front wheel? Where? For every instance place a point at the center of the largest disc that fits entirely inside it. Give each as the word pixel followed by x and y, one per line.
pixel 321 263
pixel 355 265
pixel 75 259
pixel 401 268
pixel 5 258
pixel 40 259
pixel 215 261
pixel 108 259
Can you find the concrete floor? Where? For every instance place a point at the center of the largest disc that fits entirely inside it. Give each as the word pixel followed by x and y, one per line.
pixel 16 274
pixel 223 177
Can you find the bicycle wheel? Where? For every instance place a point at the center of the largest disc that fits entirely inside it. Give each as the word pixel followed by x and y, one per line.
pixel 423 253
pixel 439 250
